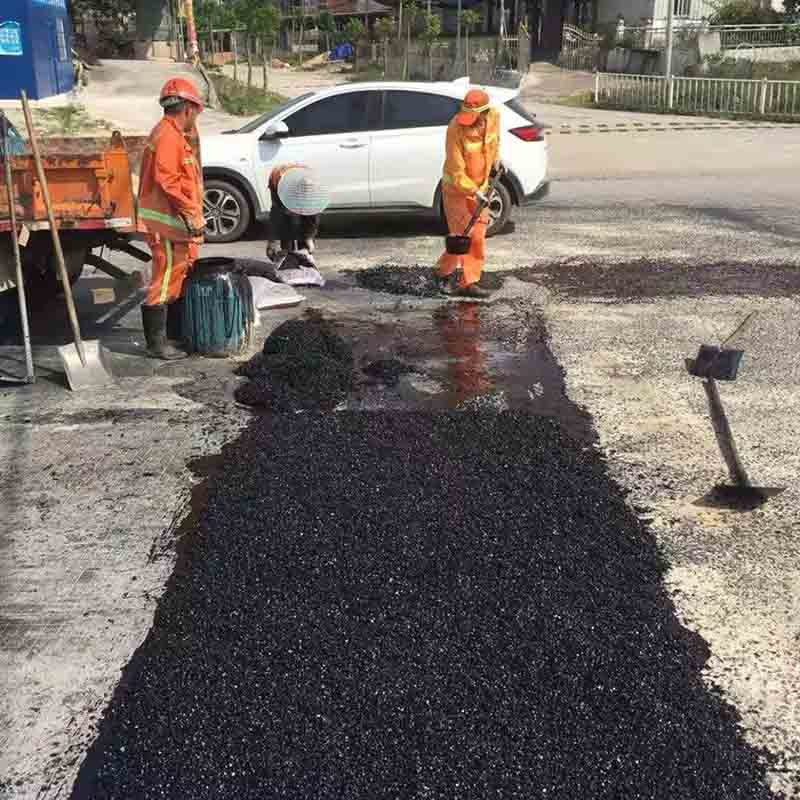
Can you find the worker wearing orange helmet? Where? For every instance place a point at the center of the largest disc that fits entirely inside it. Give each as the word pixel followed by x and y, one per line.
pixel 472 148
pixel 171 209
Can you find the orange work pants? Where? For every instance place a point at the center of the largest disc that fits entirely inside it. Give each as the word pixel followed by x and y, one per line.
pixel 458 208
pixel 172 262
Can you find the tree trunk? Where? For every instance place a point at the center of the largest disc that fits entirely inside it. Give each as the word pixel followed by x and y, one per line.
pixel 264 62
pixel 458 33
pixel 466 50
pixel 249 63
pixel 386 59
pixel 235 57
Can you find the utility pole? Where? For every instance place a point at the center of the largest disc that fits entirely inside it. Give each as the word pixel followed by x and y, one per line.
pixel 668 54
pixel 458 32
pixel 191 31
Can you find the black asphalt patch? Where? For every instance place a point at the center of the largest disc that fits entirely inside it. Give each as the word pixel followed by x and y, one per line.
pixel 411 605
pixel 643 279
pixel 414 281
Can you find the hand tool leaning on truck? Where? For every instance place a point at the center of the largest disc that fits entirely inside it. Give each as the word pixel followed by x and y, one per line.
pixel 171 208
pixel 472 150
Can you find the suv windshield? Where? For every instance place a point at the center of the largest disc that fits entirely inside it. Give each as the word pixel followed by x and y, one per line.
pixel 279 109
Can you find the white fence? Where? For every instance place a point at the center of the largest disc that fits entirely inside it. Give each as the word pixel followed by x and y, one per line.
pixel 778 99
pixel 731 36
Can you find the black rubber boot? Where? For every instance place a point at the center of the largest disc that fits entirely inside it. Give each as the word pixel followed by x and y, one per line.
pixel 473 290
pixel 175 323
pixel 154 320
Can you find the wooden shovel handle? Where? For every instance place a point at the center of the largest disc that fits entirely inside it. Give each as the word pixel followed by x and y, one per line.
pixel 59 253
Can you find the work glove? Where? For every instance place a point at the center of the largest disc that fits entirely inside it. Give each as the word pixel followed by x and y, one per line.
pixel 310 246
pixel 482 198
pixel 498 169
pixel 194 225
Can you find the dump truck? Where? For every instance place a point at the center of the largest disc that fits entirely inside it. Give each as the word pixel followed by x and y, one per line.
pixel 92 186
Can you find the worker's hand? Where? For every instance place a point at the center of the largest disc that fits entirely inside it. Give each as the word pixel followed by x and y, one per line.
pixel 194 225
pixel 482 198
pixel 498 169
pixel 310 246
pixel 273 249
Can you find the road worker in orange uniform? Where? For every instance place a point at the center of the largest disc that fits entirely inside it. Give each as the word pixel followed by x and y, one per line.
pixel 171 208
pixel 473 145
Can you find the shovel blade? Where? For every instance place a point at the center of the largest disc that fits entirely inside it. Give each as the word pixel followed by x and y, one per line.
pixel 92 375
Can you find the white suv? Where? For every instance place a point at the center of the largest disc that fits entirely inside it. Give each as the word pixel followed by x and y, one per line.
pixel 379 147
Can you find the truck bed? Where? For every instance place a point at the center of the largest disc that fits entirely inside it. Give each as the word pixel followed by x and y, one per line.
pixel 91 182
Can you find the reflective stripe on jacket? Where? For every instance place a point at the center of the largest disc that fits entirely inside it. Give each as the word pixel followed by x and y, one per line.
pixel 471 151
pixel 171 184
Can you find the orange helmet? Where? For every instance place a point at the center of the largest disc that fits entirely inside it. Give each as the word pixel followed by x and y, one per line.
pixel 176 90
pixel 475 102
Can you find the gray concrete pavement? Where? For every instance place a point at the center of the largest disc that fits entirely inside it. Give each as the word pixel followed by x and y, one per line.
pixel 91 491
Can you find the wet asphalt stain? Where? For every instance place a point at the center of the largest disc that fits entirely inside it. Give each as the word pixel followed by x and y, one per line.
pixel 417 605
pixel 644 279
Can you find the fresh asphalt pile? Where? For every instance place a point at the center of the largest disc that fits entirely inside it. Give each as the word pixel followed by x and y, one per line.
pixel 411 605
pixel 303 365
pixel 417 281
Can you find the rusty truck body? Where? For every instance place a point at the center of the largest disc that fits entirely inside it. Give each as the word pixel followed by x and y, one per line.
pixel 92 185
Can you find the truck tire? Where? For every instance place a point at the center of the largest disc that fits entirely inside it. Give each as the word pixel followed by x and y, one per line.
pixel 41 271
pixel 226 210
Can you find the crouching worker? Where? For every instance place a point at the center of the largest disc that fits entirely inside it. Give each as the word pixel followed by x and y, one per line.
pixel 171 209
pixel 298 200
pixel 471 160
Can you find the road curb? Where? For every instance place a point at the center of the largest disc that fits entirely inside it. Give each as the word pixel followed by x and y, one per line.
pixel 664 127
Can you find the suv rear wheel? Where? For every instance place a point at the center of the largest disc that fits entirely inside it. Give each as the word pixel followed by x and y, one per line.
pixel 226 210
pixel 500 205
pixel 499 210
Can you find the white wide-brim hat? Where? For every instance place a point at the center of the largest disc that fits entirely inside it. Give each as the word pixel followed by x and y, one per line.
pixel 301 193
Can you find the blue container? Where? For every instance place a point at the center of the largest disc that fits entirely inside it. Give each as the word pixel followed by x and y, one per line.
pixel 35 49
pixel 217 310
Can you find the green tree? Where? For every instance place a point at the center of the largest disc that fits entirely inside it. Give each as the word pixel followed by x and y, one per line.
pixel 431 31
pixel 327 26
pixel 356 33
pixel 742 12
pixel 412 12
pixel 469 20
pixel 384 30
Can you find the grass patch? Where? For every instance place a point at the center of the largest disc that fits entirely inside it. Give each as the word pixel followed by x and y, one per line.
pixel 68 120
pixel 240 101
pixel 577 100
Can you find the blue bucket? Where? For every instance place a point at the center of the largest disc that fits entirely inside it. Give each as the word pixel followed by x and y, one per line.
pixel 218 310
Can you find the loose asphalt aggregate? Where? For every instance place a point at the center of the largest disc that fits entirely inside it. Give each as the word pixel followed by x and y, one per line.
pixel 449 605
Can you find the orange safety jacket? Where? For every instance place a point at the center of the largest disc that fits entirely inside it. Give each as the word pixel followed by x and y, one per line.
pixel 471 152
pixel 171 184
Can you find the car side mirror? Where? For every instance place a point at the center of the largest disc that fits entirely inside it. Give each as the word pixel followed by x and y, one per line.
pixel 278 130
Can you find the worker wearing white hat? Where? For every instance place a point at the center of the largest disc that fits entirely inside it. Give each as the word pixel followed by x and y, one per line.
pixel 298 200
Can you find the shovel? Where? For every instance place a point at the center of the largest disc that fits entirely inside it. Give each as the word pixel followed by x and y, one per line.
pixel 459 245
pixel 83 361
pixel 30 377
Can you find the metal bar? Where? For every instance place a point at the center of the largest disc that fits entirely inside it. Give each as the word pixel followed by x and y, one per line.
pixel 30 375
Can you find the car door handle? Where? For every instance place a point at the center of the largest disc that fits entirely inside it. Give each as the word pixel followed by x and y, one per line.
pixel 352 145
